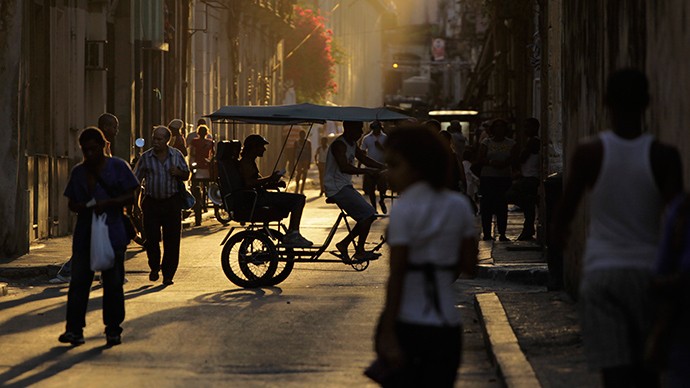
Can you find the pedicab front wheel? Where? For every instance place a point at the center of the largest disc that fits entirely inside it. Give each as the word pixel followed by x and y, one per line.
pixel 249 259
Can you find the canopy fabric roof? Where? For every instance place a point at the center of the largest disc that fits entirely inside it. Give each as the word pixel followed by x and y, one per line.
pixel 301 113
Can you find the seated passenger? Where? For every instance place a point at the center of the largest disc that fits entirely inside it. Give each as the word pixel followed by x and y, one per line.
pixel 254 147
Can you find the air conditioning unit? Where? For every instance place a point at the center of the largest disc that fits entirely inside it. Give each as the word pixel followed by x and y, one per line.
pixel 95 55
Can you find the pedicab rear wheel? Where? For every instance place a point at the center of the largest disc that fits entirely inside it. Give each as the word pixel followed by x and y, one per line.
pixel 249 259
pixel 286 260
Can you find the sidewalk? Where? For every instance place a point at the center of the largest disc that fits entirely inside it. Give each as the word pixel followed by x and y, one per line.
pixel 515 261
pixel 544 323
pixel 45 257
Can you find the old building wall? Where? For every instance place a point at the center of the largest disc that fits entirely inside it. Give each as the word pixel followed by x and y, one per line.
pixel 13 196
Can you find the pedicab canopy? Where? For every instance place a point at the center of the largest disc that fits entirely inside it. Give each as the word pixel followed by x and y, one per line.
pixel 301 113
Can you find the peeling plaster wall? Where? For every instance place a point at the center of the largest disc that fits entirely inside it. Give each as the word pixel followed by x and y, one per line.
pixel 601 36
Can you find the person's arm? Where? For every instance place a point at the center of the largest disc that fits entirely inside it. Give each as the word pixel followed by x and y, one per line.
pixel 387 346
pixel 585 166
pixel 76 207
pixel 253 181
pixel 339 153
pixel 125 199
pixel 366 160
pixel 467 258
pixel 667 169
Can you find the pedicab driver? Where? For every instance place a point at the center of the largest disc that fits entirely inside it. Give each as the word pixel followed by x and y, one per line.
pixel 255 147
pixel 338 184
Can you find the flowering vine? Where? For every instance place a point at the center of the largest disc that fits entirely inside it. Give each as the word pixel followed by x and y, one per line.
pixel 310 62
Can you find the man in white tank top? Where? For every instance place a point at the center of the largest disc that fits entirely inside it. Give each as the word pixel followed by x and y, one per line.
pixel 630 177
pixel 338 183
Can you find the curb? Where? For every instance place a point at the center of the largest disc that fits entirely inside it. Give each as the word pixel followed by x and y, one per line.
pixel 29 272
pixel 3 289
pixel 511 364
pixel 516 274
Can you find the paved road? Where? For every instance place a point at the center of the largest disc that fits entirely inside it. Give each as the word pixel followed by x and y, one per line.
pixel 314 329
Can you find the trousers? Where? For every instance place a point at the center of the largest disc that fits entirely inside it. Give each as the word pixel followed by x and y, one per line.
pixel 163 215
pixel 80 287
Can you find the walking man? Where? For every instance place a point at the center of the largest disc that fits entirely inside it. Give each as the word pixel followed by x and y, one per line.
pixel 373 144
pixel 338 183
pixel 630 176
pixel 108 124
pixel 98 184
pixel 162 169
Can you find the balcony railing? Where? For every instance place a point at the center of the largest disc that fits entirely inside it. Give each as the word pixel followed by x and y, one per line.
pixel 280 8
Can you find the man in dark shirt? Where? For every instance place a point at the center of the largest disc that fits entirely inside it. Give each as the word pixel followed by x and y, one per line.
pixel 255 147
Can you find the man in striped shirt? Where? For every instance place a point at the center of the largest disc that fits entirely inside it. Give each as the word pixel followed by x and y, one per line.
pixel 162 169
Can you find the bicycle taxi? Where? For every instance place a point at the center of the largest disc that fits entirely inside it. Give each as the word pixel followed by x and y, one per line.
pixel 253 254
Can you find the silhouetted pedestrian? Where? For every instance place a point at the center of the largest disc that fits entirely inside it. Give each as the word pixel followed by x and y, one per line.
pixel 432 240
pixel 497 155
pixel 373 144
pixel 630 176
pixel 162 170
pixel 177 139
pixel 669 343
pixel 100 184
pixel 526 186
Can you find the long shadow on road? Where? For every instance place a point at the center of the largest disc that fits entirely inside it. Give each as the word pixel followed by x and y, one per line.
pixel 35 363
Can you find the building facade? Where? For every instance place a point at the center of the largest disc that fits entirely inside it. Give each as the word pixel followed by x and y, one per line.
pixel 65 62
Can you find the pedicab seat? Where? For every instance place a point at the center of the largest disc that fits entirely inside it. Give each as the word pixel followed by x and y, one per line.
pixel 239 201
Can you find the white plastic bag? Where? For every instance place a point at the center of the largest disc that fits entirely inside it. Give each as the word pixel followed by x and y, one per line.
pixel 102 254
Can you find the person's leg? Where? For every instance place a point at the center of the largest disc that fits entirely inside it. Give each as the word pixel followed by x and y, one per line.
pixel 322 172
pixel 363 227
pixel 66 269
pixel 350 201
pixel 528 206
pixel 501 205
pixel 486 201
pixel 382 185
pixel 440 355
pixel 369 186
pixel 78 293
pixel 152 229
pixel 113 297
pixel 172 229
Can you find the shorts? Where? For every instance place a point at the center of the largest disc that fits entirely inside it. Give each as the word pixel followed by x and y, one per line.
pixel 352 202
pixel 617 314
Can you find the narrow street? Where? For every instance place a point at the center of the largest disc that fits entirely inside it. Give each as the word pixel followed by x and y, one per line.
pixel 314 329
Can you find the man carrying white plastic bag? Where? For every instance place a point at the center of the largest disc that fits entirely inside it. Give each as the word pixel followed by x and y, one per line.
pixel 97 189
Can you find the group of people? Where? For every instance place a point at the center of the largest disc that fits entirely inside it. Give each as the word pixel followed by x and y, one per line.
pixel 630 176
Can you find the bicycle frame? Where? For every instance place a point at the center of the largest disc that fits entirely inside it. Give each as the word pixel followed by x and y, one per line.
pixel 306 254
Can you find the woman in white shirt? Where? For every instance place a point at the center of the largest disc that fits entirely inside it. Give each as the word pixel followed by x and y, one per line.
pixel 432 240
